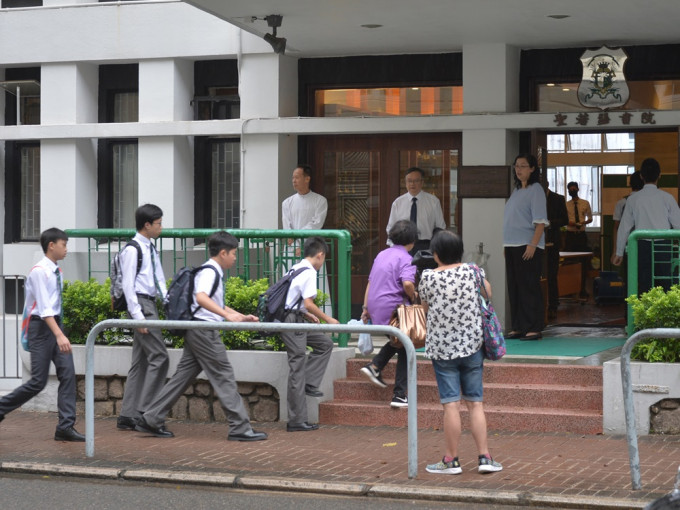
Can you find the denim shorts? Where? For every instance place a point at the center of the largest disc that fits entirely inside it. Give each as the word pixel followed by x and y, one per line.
pixel 460 375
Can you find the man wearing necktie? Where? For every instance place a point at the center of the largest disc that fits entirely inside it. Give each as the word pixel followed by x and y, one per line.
pixel 43 309
pixel 418 206
pixel 580 215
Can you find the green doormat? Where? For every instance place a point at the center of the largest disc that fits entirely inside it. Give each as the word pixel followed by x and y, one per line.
pixel 562 346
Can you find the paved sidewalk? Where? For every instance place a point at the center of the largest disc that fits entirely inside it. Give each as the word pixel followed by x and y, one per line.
pixel 565 471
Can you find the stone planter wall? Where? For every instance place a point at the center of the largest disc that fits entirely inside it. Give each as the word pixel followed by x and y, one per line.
pixel 198 403
pixel 652 382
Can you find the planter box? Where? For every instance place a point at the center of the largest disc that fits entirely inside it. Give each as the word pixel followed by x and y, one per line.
pixel 651 382
pixel 249 367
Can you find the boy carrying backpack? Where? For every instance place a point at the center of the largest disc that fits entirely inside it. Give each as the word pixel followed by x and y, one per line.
pixel 306 371
pixel 204 350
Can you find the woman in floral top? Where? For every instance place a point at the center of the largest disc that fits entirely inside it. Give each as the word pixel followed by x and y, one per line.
pixel 454 341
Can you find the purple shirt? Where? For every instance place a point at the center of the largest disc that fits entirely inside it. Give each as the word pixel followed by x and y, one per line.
pixel 391 268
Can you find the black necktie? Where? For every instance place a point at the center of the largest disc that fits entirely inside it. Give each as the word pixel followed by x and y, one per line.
pixel 414 210
pixel 61 295
pixel 576 218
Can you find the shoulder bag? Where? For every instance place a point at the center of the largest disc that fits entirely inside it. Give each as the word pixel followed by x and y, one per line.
pixel 494 343
pixel 412 321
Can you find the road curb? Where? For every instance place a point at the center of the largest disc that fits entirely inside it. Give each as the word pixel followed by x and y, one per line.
pixel 320 487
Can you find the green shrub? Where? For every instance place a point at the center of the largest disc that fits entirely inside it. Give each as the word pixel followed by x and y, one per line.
pixel 87 303
pixel 657 309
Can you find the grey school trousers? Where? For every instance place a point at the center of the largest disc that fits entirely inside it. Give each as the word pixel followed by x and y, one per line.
pixel 148 368
pixel 305 369
pixel 44 348
pixel 203 350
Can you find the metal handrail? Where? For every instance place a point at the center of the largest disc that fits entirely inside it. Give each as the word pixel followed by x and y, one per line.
pixel 632 277
pixel 628 404
pixel 257 326
pixel 342 260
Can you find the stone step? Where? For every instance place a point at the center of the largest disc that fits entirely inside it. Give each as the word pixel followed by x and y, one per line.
pixel 371 413
pixel 527 395
pixel 502 372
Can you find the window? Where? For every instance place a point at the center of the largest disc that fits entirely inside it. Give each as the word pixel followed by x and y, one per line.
pixel 30 192
pixel 221 103
pixel 388 102
pixel 217 183
pixel 125 107
pixel 10 4
pixel 125 191
pixel 584 158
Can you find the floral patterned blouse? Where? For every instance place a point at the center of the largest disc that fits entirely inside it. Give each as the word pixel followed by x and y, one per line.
pixel 454 319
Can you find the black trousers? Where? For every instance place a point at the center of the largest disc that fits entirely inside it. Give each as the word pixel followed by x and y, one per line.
pixel 381 359
pixel 44 349
pixel 524 289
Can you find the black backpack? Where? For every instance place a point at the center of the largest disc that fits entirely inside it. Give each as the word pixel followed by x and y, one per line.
pixel 118 301
pixel 271 305
pixel 178 304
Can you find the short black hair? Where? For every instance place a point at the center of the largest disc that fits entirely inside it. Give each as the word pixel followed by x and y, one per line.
pixel 535 175
pixel 147 213
pixel 572 183
pixel 221 241
pixel 415 169
pixel 306 169
pixel 650 170
pixel 636 182
pixel 448 246
pixel 403 232
pixel 51 235
pixel 313 246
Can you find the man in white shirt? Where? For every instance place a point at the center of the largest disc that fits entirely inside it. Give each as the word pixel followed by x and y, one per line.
pixel 649 209
pixel 422 208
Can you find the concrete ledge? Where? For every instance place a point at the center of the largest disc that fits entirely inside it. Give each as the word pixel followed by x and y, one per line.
pixel 178 476
pixel 249 366
pixel 651 382
pixel 295 485
pixel 60 469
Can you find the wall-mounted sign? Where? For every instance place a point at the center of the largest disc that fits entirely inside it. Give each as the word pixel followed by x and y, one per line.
pixel 603 85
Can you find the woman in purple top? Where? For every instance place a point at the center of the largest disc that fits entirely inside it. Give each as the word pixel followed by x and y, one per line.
pixel 391 283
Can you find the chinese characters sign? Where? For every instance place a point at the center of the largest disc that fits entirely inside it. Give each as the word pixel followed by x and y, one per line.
pixel 602 119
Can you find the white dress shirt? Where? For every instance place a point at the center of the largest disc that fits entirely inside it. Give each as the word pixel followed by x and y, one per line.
pixel 648 209
pixel 430 215
pixel 43 296
pixel 304 212
pixel 142 283
pixel 203 282
pixel 303 286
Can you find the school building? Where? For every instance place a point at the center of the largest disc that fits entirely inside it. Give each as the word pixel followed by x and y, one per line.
pixel 107 105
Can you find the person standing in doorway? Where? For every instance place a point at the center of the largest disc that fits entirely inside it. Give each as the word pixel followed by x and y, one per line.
pixel 580 215
pixel 558 218
pixel 143 284
pixel 418 206
pixel 636 184
pixel 649 209
pixel 43 309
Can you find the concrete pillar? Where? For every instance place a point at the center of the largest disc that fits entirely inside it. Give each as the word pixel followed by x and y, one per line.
pixel 2 180
pixel 165 164
pixel 490 84
pixel 268 89
pixel 68 93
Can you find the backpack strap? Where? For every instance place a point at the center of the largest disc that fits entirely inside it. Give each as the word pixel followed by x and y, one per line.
pixel 298 303
pixel 134 243
pixel 215 283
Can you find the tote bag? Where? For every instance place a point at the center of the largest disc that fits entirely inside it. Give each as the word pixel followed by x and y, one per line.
pixel 494 343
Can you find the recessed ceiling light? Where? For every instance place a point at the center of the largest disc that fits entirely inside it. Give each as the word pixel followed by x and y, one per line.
pixel 549 84
pixel 566 89
pixel 371 25
pixel 559 16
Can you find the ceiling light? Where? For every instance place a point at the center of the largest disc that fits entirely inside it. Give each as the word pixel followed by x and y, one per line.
pixel 278 43
pixel 566 89
pixel 549 84
pixel 559 16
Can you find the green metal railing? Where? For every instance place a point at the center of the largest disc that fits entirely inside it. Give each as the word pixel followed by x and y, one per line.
pixel 262 254
pixel 667 254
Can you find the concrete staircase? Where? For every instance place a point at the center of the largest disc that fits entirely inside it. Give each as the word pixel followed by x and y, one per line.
pixel 517 396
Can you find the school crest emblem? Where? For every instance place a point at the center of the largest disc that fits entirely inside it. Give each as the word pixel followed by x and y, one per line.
pixel 603 85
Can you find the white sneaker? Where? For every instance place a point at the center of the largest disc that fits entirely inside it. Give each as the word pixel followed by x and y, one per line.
pixel 488 465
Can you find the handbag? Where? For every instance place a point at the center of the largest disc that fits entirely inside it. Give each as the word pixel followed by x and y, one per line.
pixel 412 321
pixel 494 342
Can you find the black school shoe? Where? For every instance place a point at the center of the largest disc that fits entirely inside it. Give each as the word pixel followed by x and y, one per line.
pixel 301 427
pixel 70 434
pixel 126 423
pixel 251 435
pixel 143 426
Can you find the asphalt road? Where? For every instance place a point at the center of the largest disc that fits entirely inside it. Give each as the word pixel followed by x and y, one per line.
pixel 21 492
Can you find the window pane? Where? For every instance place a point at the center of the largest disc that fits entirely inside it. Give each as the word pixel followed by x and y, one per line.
pixel 225 179
pixel 389 102
pixel 620 141
pixel 124 185
pixel 589 142
pixel 556 143
pixel 30 193
pixel 126 107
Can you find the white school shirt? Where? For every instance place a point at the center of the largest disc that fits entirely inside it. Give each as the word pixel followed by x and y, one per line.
pixel 143 283
pixel 430 215
pixel 304 212
pixel 303 285
pixel 203 282
pixel 43 296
